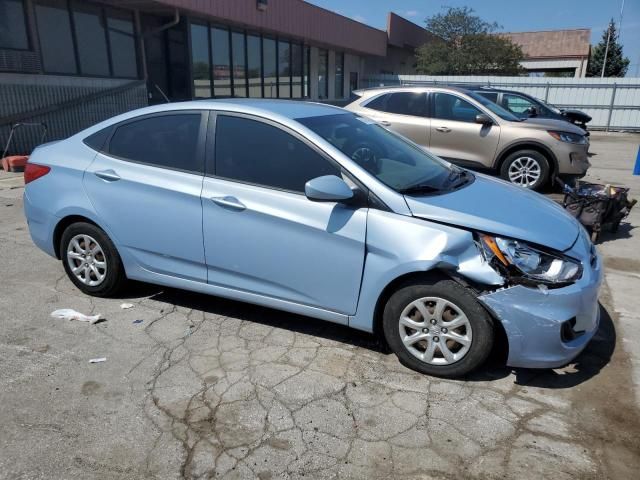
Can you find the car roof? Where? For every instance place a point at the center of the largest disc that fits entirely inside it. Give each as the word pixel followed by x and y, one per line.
pixel 291 109
pixel 391 88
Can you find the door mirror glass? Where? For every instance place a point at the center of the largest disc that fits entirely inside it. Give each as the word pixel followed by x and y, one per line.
pixel 484 119
pixel 327 188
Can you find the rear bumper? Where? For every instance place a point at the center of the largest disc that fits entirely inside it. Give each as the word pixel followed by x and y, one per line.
pixel 533 319
pixel 41 225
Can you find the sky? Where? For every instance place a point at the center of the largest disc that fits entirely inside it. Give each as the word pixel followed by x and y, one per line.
pixel 512 15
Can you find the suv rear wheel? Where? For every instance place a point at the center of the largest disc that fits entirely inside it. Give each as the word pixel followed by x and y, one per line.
pixel 526 168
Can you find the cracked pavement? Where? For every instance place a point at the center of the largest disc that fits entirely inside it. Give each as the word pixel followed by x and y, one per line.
pixel 209 388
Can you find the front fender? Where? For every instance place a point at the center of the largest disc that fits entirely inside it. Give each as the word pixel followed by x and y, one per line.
pixel 398 245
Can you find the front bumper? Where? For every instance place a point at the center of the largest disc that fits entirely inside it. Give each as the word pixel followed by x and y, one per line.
pixel 573 160
pixel 533 318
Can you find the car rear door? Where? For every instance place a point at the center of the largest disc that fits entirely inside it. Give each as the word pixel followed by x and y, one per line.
pixel 145 186
pixel 261 234
pixel 404 113
pixel 456 136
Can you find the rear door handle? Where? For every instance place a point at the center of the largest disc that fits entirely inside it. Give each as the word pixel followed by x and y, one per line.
pixel 443 129
pixel 108 175
pixel 229 202
pixel 385 123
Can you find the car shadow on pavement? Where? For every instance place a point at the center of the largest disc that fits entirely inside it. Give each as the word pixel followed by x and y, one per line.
pixel 588 364
pixel 270 317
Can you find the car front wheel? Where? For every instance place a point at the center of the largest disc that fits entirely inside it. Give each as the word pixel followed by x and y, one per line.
pixel 91 260
pixel 526 168
pixel 439 328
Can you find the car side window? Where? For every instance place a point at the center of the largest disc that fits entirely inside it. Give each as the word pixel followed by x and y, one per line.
pixel 168 141
pixel 255 152
pixel 377 103
pixel 516 103
pixel 407 103
pixel 491 96
pixel 451 107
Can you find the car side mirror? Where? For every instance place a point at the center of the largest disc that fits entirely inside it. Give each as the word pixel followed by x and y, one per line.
pixel 328 188
pixel 484 119
pixel 531 111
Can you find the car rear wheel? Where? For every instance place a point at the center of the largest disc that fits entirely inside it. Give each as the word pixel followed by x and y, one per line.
pixel 439 328
pixel 526 168
pixel 91 260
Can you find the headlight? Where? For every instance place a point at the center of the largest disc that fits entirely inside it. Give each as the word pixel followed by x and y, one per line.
pixel 529 264
pixel 568 137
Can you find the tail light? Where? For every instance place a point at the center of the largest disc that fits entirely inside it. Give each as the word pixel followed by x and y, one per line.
pixel 33 171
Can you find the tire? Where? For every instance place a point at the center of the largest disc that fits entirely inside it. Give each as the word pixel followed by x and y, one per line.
pixel 456 300
pixel 106 273
pixel 531 161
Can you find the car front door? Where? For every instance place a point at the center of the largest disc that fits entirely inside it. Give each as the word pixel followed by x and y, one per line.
pixel 404 113
pixel 261 234
pixel 456 136
pixel 145 186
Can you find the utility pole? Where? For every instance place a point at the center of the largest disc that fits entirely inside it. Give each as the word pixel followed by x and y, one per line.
pixel 606 51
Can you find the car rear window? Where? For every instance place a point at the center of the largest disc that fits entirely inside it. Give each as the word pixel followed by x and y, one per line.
pixel 168 141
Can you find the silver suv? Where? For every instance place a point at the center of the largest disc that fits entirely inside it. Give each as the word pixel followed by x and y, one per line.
pixel 467 129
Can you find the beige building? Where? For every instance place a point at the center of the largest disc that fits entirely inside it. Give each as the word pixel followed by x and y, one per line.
pixel 561 53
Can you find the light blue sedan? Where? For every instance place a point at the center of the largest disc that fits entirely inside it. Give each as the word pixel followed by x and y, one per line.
pixel 314 210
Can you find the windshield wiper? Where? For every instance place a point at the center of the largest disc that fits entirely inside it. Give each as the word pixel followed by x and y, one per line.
pixel 460 178
pixel 419 188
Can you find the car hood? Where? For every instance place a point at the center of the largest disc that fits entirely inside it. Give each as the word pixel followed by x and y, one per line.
pixel 553 124
pixel 494 206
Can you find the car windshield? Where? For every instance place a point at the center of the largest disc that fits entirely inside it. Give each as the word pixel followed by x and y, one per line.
pixel 494 107
pixel 550 106
pixel 393 160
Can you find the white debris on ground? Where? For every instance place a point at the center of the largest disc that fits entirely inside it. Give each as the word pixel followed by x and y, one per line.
pixel 126 306
pixel 98 360
pixel 70 314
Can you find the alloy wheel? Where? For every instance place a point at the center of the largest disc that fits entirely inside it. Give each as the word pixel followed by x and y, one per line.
pixel 435 330
pixel 525 171
pixel 87 260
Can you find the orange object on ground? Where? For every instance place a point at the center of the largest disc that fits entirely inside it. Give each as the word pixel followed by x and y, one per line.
pixel 15 163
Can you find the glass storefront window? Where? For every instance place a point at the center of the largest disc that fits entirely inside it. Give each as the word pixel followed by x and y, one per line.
pixel 296 70
pixel 306 66
pixel 200 61
pixel 254 66
pixel 13 25
pixel 270 72
pixel 221 62
pixel 323 71
pixel 339 93
pixel 123 44
pixel 91 39
pixel 284 69
pixel 239 64
pixel 56 42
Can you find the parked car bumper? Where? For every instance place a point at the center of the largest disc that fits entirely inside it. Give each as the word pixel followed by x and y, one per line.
pixel 573 160
pixel 547 328
pixel 41 225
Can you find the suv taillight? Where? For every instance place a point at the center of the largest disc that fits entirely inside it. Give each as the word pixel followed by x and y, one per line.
pixel 33 171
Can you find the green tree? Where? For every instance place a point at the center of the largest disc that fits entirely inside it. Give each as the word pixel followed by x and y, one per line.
pixel 617 64
pixel 464 44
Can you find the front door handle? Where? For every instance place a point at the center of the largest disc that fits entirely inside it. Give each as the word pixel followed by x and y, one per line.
pixel 229 202
pixel 443 129
pixel 385 123
pixel 107 175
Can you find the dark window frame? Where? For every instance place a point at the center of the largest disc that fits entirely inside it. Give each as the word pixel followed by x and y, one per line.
pixel 335 75
pixel 210 160
pixel 200 147
pixel 27 30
